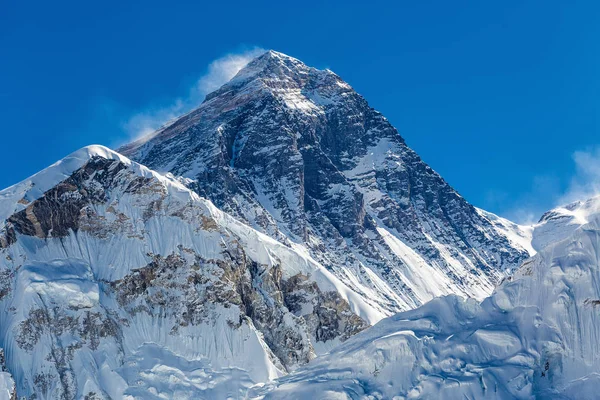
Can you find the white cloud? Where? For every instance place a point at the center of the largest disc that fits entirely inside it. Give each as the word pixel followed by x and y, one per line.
pixel 145 122
pixel 586 181
pixel 225 68
pixel 526 208
pixel 548 191
pixel 219 72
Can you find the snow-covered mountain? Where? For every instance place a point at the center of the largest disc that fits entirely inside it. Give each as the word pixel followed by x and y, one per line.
pixel 118 281
pixel 297 154
pixel 286 217
pixel 537 336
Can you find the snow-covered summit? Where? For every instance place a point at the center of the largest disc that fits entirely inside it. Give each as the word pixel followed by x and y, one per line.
pixel 297 154
pixel 272 74
pixel 18 196
pixel 273 69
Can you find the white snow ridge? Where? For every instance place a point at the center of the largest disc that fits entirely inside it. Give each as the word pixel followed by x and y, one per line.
pixel 283 241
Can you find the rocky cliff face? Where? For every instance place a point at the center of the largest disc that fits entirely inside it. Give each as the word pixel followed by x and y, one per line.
pixel 296 153
pixel 113 273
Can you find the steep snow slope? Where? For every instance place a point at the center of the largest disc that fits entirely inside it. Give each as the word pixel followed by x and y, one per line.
pixel 299 155
pixel 519 236
pixel 119 282
pixel 537 336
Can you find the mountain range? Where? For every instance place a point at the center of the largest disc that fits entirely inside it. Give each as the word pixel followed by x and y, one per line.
pixel 281 240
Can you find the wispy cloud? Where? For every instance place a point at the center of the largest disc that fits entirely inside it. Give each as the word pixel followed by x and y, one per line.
pixel 223 69
pixel 218 72
pixel 549 191
pixel 526 208
pixel 145 122
pixel 586 181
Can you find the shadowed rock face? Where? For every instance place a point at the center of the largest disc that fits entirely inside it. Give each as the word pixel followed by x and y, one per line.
pixel 298 154
pixel 59 211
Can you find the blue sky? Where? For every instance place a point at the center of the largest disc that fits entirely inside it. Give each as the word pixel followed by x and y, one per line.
pixel 501 98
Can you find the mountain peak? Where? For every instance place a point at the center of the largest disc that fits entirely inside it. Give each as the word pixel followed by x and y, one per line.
pixel 275 69
pixel 18 196
pixel 295 152
pixel 276 55
pixel 281 74
pixel 272 62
